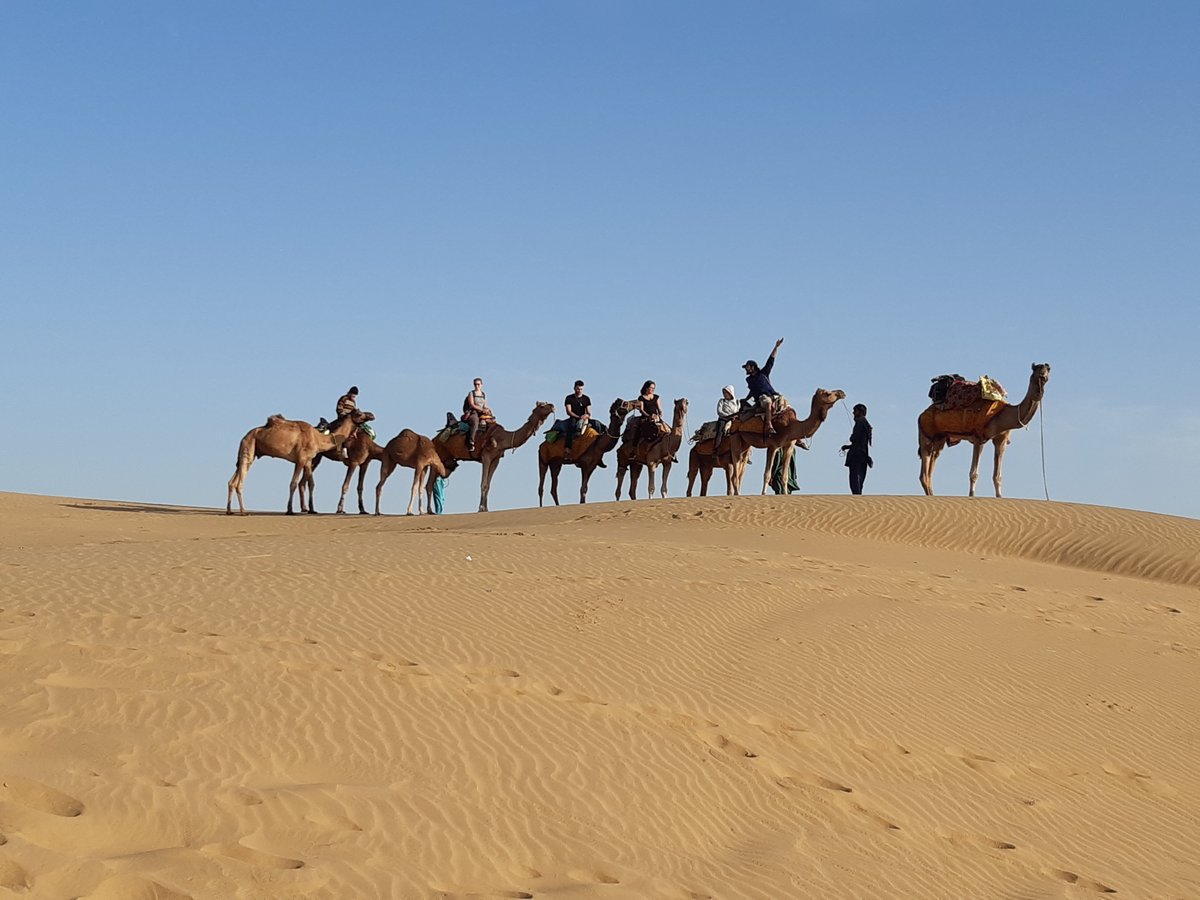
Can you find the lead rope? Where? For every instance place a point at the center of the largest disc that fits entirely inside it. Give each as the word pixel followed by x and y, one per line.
pixel 1042 428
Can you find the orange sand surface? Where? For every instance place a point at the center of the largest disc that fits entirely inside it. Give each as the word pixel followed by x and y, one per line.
pixel 826 697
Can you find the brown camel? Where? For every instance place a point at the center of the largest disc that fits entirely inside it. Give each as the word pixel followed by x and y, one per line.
pixel 788 430
pixel 298 443
pixel 493 442
pixel 589 450
pixel 637 454
pixel 933 436
pixel 360 449
pixel 429 459
pixel 703 462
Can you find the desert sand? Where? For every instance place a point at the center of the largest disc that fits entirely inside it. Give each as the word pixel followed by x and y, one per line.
pixel 827 697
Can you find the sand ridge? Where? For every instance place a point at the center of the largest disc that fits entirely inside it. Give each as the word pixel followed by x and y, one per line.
pixel 747 697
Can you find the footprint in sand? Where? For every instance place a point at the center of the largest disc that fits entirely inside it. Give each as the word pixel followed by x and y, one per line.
pixel 256 858
pixel 963 839
pixel 41 797
pixel 985 765
pixel 1068 877
pixel 590 877
pixel 1141 780
pixel 12 876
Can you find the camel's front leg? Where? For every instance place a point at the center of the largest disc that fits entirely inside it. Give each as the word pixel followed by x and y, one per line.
pixel 976 452
pixel 651 471
pixel 585 475
pixel 769 469
pixel 485 484
pixel 1001 444
pixel 341 509
pixel 666 471
pixel 386 467
pixel 635 472
pixel 542 467
pixel 362 478
pixel 414 498
pixel 620 479
pixel 555 471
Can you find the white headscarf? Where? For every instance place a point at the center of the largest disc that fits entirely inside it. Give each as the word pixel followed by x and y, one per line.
pixel 730 390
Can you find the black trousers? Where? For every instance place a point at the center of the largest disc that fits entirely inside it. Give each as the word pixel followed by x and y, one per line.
pixel 858 475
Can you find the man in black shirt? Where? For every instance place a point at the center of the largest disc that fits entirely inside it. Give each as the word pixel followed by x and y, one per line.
pixel 579 413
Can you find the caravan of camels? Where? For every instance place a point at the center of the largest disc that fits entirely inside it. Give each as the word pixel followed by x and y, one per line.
pixel 648 441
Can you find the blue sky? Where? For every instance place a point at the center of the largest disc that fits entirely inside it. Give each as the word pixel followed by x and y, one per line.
pixel 213 212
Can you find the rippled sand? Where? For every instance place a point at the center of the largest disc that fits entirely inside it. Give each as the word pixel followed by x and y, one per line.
pixel 828 697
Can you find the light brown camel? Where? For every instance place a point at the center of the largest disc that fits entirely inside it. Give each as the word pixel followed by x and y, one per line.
pixel 360 449
pixel 298 443
pixel 429 459
pixel 703 462
pixel 492 444
pixel 788 430
pixel 589 450
pixel 933 435
pixel 637 454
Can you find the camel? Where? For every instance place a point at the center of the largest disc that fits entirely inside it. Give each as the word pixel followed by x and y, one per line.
pixel 298 443
pixel 360 449
pixel 702 462
pixel 550 455
pixel 636 454
pixel 788 430
pixel 424 456
pixel 492 444
pixel 932 436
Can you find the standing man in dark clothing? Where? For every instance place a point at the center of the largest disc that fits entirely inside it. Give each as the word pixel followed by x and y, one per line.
pixel 761 393
pixel 579 413
pixel 858 459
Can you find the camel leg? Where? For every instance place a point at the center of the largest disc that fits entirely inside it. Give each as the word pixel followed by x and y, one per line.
pixel 542 466
pixel 235 484
pixel 341 508
pixel 386 467
pixel 295 482
pixel 651 471
pixel 928 451
pixel 1000 444
pixel 772 452
pixel 666 470
pixel 976 452
pixel 485 484
pixel 635 472
pixel 362 478
pixel 430 482
pixel 555 471
pixel 414 497
pixel 620 479
pixel 585 476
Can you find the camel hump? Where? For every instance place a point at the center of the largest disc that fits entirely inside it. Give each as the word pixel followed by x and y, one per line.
pixel 274 420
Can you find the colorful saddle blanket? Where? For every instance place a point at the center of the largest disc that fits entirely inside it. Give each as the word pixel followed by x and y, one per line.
pixel 955 392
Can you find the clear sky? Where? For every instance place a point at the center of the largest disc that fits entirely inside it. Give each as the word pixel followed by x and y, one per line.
pixel 212 212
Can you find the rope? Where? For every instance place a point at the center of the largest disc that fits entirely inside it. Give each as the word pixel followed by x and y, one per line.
pixel 1042 428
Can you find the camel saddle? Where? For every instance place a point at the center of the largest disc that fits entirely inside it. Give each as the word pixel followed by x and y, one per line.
pixel 705 432
pixel 960 423
pixel 750 420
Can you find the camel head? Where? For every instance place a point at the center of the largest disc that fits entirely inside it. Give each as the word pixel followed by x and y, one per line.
pixel 1041 372
pixel 824 400
pixel 541 411
pixel 680 407
pixel 360 416
pixel 622 407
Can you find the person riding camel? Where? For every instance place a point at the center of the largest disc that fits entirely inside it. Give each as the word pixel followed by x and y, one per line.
pixel 648 425
pixel 347 403
pixel 761 394
pixel 727 407
pixel 475 408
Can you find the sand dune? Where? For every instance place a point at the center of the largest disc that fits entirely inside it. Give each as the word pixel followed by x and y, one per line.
pixel 752 697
